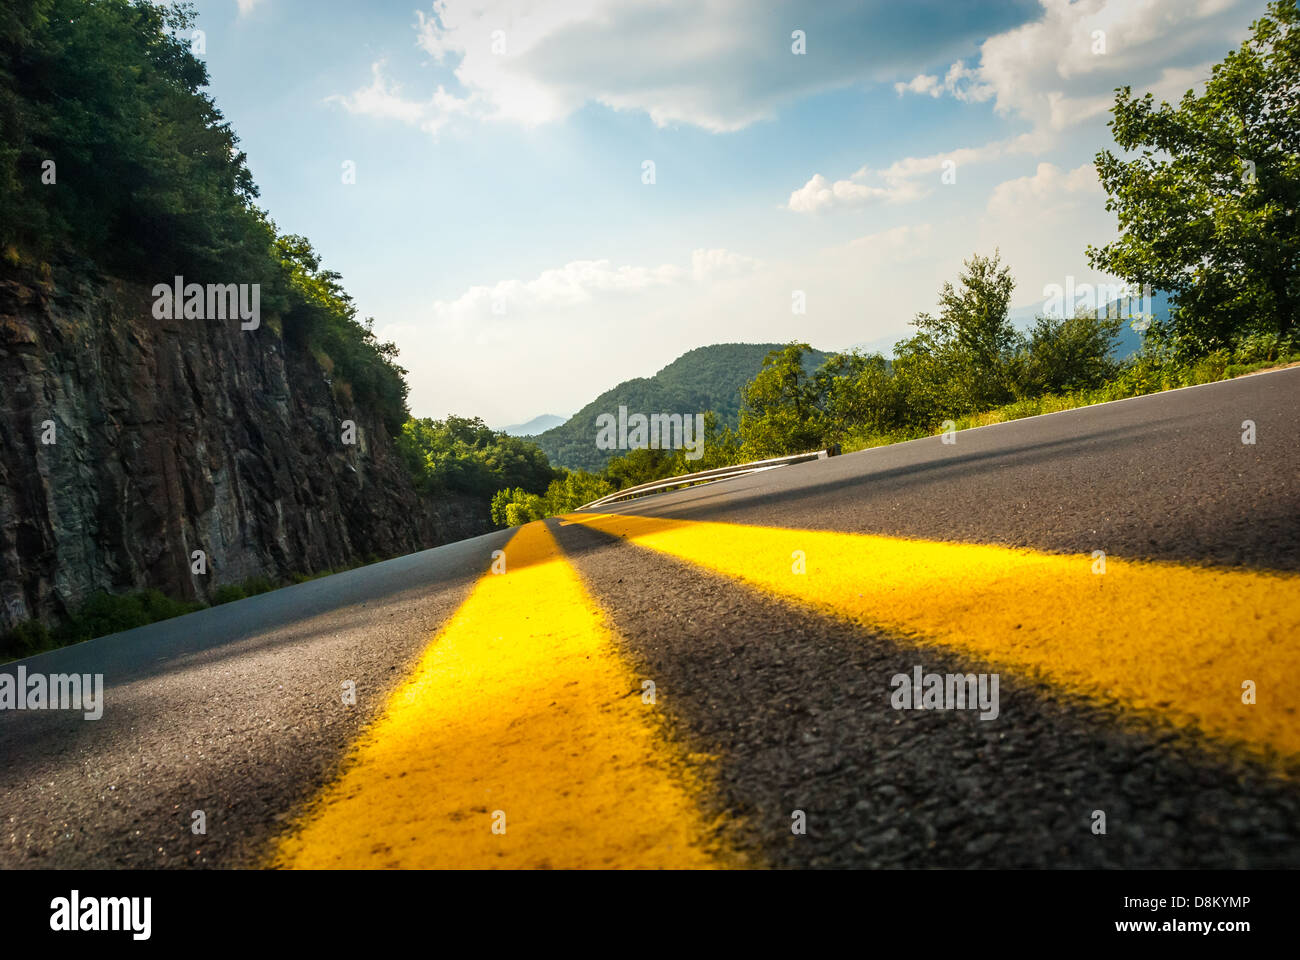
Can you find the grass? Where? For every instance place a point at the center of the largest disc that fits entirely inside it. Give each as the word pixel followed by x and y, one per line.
pixel 104 613
pixel 1144 377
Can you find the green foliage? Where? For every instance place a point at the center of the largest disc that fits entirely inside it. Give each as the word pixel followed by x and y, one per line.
pixel 567 493
pixel 321 317
pixel 148 171
pixel 239 591
pixel 105 613
pixel 860 392
pixel 782 411
pixel 25 639
pixel 574 488
pixel 721 447
pixel 1209 209
pixel 960 360
pixel 1061 355
pixel 464 455
pixel 639 466
pixel 564 495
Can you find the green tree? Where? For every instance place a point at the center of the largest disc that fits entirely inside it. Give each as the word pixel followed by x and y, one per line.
pixel 576 487
pixel 780 412
pixel 972 335
pixel 1061 355
pixel 960 360
pixel 464 455
pixel 721 447
pixel 321 316
pixel 1208 209
pixel 149 175
pixel 639 466
pixel 861 394
pixel 510 508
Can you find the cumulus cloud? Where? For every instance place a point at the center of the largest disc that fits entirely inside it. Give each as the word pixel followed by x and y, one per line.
pixel 383 99
pixel 581 283
pixel 1044 193
pixel 578 282
pixel 716 64
pixel 1062 68
pixel 819 194
pixel 899 182
pixel 1056 72
pixel 960 81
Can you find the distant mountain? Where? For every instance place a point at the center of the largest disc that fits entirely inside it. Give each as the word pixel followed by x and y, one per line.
pixel 881 345
pixel 706 378
pixel 1129 340
pixel 534 426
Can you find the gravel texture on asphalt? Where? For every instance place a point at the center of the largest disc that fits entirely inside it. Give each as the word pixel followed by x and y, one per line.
pixel 796 706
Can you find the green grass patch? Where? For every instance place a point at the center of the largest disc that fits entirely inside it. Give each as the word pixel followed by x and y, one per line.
pixel 104 613
pixel 1142 378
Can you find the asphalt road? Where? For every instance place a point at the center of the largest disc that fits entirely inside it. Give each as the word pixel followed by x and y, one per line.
pixel 767 706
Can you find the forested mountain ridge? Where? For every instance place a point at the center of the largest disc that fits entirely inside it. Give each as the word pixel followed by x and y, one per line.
pixel 706 378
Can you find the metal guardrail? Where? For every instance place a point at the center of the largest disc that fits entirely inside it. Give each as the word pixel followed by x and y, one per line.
pixel 708 476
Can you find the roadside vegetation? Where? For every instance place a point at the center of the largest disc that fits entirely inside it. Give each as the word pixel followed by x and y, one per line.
pixel 104 613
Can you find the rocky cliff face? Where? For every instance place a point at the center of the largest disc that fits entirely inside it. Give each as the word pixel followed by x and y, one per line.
pixel 127 443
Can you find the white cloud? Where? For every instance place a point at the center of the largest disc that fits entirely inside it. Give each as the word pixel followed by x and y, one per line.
pixel 716 64
pixel 1043 223
pixel 897 183
pixel 246 6
pixel 1056 73
pixel 1045 193
pixel 819 194
pixel 960 82
pixel 545 335
pixel 1061 69
pixel 577 283
pixel 921 83
pixel 383 99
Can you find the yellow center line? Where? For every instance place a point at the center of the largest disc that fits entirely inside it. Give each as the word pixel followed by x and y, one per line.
pixel 1164 639
pixel 520 740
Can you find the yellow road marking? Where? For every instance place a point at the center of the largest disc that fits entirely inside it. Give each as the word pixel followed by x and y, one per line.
pixel 1159 638
pixel 521 705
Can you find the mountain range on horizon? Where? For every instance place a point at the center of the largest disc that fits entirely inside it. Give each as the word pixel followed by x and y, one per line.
pixel 531 428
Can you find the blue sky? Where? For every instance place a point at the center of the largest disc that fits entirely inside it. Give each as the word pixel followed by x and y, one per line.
pixel 499 229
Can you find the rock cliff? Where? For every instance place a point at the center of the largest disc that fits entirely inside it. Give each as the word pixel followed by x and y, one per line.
pixel 127 443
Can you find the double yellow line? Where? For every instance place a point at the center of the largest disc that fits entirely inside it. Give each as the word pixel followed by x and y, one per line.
pixel 523 738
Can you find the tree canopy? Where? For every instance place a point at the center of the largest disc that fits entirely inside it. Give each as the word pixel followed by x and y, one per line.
pixel 1208 207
